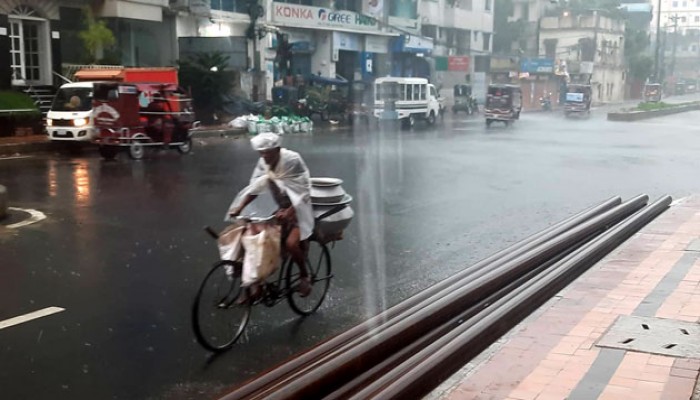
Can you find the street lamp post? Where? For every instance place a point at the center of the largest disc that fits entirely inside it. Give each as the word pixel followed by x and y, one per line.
pixel 658 43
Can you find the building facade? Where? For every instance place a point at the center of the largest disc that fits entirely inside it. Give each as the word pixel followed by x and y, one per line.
pixel 350 39
pixel 461 32
pixel 683 13
pixel 41 35
pixel 587 47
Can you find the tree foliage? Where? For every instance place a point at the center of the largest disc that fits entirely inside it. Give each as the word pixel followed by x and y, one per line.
pixel 207 77
pixel 506 32
pixel 96 37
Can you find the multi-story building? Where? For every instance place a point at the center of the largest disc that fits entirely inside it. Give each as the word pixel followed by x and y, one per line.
pixel 354 39
pixel 587 47
pixel 461 31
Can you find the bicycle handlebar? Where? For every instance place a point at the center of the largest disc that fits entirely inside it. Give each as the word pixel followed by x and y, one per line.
pixel 253 220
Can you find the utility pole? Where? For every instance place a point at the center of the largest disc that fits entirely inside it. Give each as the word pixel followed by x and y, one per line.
pixel 672 68
pixel 657 77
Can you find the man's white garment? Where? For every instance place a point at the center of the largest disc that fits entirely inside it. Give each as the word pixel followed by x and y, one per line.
pixel 292 177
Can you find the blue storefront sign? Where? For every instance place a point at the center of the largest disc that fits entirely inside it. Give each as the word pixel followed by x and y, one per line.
pixel 367 65
pixel 412 44
pixel 537 65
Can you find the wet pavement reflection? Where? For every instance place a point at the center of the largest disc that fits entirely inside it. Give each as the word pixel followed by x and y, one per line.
pixel 123 250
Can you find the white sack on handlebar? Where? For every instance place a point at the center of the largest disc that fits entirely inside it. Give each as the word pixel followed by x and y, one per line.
pixel 262 254
pixel 229 242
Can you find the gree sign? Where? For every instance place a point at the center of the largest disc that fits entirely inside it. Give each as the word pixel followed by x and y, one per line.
pixel 306 16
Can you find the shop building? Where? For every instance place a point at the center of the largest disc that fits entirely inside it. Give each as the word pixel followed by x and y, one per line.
pixel 329 42
pixel 538 79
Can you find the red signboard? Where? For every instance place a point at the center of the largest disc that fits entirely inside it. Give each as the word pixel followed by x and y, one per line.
pixel 458 63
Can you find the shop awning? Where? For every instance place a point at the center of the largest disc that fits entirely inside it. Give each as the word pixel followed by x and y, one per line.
pixel 327 81
pixel 99 75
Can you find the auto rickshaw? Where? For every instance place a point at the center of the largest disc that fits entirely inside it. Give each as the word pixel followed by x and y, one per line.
pixel 327 97
pixel 463 100
pixel 652 92
pixel 578 100
pixel 288 97
pixel 134 116
pixel 679 88
pixel 503 103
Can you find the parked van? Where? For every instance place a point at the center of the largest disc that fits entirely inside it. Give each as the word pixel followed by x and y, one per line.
pixel 413 98
pixel 70 117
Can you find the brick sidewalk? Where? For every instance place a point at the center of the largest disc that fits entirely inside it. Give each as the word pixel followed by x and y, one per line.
pixel 555 354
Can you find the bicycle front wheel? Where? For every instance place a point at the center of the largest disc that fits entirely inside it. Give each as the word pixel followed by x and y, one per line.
pixel 318 262
pixel 218 321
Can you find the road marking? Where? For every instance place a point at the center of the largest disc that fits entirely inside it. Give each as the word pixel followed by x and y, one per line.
pixel 35 216
pixel 14 158
pixel 44 312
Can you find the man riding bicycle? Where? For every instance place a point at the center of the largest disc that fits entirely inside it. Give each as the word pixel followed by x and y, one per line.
pixel 285 174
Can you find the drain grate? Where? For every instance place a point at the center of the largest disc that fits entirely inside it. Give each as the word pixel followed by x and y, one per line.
pixel 653 335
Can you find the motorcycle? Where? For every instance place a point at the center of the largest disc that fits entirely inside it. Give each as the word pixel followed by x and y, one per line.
pixel 546 103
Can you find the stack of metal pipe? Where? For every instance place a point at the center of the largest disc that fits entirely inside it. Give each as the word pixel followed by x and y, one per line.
pixel 409 349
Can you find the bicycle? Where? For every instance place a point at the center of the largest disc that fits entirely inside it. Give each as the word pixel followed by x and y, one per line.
pixel 225 279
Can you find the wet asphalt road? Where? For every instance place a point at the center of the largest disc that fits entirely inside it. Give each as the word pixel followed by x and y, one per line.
pixel 123 252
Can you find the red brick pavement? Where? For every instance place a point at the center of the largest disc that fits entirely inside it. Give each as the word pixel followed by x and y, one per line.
pixel 546 356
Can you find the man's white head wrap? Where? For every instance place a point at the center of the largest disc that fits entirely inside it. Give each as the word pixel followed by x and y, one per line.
pixel 265 141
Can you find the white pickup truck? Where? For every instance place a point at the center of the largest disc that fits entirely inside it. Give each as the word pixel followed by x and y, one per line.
pixel 415 99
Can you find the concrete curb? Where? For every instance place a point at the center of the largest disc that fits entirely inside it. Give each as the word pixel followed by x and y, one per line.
pixel 639 115
pixel 3 202
pixel 11 149
pixel 22 148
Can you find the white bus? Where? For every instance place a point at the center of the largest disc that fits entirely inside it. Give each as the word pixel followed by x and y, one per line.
pixel 415 99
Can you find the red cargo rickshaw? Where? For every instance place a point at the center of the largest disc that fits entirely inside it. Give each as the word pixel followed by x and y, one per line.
pixel 134 116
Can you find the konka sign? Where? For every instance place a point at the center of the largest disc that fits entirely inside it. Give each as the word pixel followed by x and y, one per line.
pixel 294 15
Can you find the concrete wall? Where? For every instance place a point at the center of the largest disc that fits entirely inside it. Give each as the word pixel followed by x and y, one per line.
pixel 608 85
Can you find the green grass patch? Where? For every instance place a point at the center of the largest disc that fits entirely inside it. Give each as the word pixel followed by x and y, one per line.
pixel 11 100
pixel 659 106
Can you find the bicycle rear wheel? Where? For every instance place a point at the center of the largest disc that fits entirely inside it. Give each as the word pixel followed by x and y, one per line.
pixel 216 318
pixel 318 262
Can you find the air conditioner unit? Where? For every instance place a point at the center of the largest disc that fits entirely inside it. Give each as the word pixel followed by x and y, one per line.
pixel 180 5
